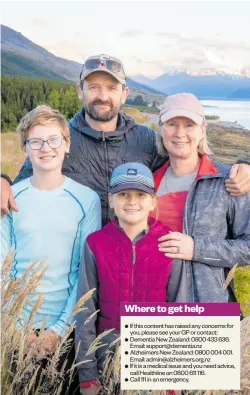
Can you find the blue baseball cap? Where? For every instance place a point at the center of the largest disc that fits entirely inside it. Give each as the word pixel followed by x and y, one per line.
pixel 132 175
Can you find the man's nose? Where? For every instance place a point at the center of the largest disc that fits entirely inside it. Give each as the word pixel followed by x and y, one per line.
pixel 103 94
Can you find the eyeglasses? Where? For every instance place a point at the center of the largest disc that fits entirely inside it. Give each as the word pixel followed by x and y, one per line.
pixel 112 65
pixel 53 142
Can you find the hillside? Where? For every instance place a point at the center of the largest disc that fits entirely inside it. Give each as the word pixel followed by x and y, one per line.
pixel 14 65
pixel 15 43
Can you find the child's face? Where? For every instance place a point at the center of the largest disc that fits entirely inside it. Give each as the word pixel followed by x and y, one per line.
pixel 132 206
pixel 46 158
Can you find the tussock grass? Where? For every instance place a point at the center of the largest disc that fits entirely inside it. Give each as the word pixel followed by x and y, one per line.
pixel 20 361
pixel 136 114
pixel 17 294
pixel 12 157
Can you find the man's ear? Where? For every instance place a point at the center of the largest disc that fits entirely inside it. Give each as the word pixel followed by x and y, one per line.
pixel 125 93
pixel 79 91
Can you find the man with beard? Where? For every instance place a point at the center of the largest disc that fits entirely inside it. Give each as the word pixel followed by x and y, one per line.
pixel 103 137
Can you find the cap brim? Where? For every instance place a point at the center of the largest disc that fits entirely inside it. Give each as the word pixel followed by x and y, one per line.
pixel 104 70
pixel 182 113
pixel 132 185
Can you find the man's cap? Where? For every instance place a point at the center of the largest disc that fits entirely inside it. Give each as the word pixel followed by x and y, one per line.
pixel 182 105
pixel 105 63
pixel 132 175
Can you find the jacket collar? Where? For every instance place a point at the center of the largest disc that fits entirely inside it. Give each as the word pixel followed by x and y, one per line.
pixel 207 168
pixel 114 229
pixel 124 124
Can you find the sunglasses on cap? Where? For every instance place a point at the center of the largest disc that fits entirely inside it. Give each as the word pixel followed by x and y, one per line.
pixel 110 64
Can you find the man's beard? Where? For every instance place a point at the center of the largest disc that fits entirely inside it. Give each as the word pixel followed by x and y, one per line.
pixel 104 117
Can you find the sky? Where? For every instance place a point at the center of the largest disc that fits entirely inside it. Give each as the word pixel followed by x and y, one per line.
pixel 149 37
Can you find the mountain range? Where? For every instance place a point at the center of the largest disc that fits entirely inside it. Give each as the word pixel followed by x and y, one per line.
pixel 21 56
pixel 205 86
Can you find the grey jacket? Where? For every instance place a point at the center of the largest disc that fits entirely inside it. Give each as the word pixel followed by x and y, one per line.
pixel 220 226
pixel 94 154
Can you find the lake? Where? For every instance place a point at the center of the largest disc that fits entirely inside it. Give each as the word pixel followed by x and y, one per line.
pixel 229 110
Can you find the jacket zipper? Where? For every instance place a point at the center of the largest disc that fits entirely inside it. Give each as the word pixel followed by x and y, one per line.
pixel 107 175
pixel 186 231
pixel 133 265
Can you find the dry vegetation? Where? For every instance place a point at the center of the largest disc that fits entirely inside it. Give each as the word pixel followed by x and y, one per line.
pixel 229 145
pixel 16 294
pixel 12 157
pixel 136 114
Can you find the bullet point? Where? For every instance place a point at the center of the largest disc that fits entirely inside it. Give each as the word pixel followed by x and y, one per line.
pixel 126 326
pixel 126 340
pixel 126 366
pixel 126 352
pixel 126 379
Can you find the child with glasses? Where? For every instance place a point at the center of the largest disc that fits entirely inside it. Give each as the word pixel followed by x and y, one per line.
pixel 55 216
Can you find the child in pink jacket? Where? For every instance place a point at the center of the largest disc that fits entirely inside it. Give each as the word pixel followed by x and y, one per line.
pixel 122 262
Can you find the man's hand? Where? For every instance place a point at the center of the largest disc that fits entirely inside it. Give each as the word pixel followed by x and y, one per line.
pixel 7 199
pixel 93 390
pixel 177 245
pixel 239 180
pixel 47 342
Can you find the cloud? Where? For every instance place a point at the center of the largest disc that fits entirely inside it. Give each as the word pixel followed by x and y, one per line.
pixel 203 42
pixel 68 50
pixel 131 33
pixel 40 21
pixel 168 35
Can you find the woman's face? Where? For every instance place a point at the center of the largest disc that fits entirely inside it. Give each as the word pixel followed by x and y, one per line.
pixel 181 137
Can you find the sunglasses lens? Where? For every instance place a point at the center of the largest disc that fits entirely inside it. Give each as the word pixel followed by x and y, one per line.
pixel 92 64
pixel 112 65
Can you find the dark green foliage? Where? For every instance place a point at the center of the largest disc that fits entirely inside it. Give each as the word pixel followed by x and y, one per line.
pixel 16 65
pixel 23 94
pixel 138 101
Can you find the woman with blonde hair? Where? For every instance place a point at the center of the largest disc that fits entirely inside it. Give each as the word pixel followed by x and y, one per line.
pixel 210 227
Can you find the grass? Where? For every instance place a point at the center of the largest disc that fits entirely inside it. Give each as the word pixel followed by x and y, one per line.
pixel 12 157
pixel 19 360
pixel 229 145
pixel 150 110
pixel 16 294
pixel 136 114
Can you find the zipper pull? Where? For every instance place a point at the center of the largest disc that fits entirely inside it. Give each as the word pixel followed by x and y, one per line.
pixel 133 255
pixel 103 136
